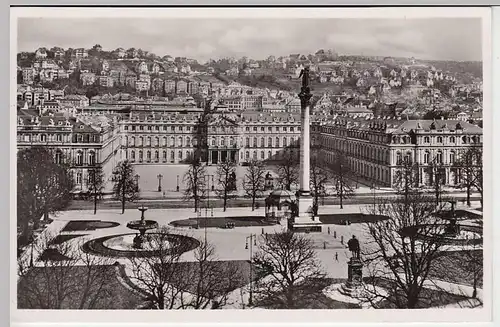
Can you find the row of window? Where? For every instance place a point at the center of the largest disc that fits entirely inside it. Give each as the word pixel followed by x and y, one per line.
pixel 269 144
pixel 438 159
pixel 270 129
pixel 59 158
pixel 77 138
pixel 156 155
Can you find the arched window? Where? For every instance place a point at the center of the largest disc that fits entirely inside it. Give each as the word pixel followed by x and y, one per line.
pixel 172 156
pixel 79 178
pixel 427 140
pixel 213 141
pixel 223 141
pixel 188 141
pixel 164 155
pixel 398 158
pixel 141 140
pixel 408 157
pixel 285 143
pixel 464 139
pixel 157 155
pixel 269 154
pixel 440 139
pixel 247 155
pixel 247 142
pixel 180 155
pixel 277 142
pixel 43 138
pixel 255 155
pixel 262 155
pixel 79 158
pixel 172 141
pixel 157 141
pixel 92 158
pixel 262 142
pixel 132 155
pixel 439 157
pixel 254 142
pixel 58 157
pixel 148 141
pixel 270 142
pixel 148 155
pixel 452 139
pixel 452 157
pixel 231 141
pixel 180 141
pixel 140 155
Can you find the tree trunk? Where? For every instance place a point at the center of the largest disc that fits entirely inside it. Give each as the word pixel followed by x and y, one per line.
pixel 468 195
pixel 95 203
pixel 474 292
pixel 225 199
pixel 253 203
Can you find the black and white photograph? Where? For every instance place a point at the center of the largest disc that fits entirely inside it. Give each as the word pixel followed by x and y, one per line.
pixel 250 159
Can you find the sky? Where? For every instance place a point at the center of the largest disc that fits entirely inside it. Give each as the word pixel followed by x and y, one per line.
pixel 203 39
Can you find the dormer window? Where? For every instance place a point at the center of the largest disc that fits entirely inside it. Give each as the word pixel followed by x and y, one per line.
pixel 81 126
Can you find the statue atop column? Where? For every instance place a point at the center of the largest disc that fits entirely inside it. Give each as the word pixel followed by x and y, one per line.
pixel 305 91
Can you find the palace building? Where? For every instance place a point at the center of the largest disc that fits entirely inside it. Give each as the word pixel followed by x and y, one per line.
pixel 376 148
pixel 169 138
pixel 83 142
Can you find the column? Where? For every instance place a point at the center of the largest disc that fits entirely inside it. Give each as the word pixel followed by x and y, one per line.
pixel 304 154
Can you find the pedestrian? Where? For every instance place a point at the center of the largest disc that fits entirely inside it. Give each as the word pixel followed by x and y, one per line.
pixel 328 230
pixel 324 245
pixel 334 234
pixel 262 230
pixel 341 239
pixel 336 256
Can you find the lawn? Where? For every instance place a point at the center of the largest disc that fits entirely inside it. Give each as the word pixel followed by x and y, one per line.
pixel 60 239
pixel 452 267
pixel 37 290
pixel 354 218
pixel 88 225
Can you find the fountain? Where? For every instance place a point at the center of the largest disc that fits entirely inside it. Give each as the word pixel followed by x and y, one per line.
pixel 142 226
pixel 130 245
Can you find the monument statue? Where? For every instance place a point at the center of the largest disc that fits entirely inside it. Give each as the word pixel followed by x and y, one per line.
pixel 304 73
pixel 353 246
pixel 305 91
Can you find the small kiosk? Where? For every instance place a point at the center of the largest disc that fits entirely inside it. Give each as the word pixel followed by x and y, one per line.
pixel 280 205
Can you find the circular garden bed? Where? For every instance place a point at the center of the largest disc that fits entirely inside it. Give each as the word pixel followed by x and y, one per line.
pixel 179 244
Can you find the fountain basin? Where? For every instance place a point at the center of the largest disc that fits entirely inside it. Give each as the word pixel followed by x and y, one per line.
pixel 142 225
pixel 121 245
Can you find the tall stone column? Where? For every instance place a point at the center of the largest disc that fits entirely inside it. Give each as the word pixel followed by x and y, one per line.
pixel 305 147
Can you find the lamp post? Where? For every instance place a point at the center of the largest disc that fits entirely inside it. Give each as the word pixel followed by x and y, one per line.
pixel 253 241
pixel 160 176
pixel 32 238
pixel 177 188
pixel 137 177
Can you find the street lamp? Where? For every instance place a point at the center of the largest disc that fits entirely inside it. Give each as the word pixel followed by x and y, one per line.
pixel 137 182
pixel 160 176
pixel 177 188
pixel 253 241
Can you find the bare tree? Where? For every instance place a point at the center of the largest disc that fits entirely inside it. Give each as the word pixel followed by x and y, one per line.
pixel 406 179
pixel 195 181
pixel 470 165
pixel 287 270
pixel 253 182
pixel 401 250
pixel 63 277
pixel 157 274
pixel 125 186
pixel 288 169
pixel 208 281
pixel 318 180
pixel 226 174
pixel 96 185
pixel 341 175
pixel 176 284
pixel 43 186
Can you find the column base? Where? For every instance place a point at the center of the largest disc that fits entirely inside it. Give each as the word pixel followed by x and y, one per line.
pixel 305 217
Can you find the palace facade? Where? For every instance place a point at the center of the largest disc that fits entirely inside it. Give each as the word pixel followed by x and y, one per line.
pixel 377 148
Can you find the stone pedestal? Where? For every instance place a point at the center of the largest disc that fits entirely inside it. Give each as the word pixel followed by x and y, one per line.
pixel 354 285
